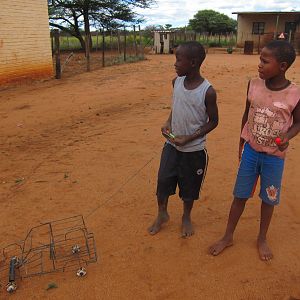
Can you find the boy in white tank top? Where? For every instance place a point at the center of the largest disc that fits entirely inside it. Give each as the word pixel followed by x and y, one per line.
pixel 270 120
pixel 184 157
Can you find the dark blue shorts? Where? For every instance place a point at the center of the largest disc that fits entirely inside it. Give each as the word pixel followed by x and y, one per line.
pixel 258 164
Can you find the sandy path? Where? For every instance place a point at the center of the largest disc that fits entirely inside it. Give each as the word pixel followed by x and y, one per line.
pixel 91 145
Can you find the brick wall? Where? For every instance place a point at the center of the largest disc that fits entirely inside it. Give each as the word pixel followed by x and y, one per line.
pixel 25 46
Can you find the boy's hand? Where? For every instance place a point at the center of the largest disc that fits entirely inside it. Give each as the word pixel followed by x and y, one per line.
pixel 181 140
pixel 166 128
pixel 283 143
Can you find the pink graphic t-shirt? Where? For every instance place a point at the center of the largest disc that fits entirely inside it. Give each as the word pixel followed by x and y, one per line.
pixel 270 114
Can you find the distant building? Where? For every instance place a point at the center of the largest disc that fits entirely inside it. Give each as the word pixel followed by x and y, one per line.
pixel 164 41
pixel 25 46
pixel 262 27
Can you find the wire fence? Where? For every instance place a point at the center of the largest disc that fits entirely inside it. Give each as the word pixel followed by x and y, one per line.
pixel 97 50
pixel 207 39
pixel 108 47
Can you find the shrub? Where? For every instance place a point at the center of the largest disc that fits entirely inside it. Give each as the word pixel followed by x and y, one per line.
pixel 214 44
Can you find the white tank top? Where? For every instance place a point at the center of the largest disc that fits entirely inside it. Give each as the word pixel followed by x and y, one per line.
pixel 189 113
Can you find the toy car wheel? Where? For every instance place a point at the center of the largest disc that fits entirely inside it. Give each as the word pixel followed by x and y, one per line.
pixel 11 287
pixel 75 249
pixel 81 272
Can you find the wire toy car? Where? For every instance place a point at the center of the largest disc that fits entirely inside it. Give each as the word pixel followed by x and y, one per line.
pixel 55 246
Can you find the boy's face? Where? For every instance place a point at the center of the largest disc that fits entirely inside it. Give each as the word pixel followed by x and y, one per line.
pixel 183 64
pixel 269 67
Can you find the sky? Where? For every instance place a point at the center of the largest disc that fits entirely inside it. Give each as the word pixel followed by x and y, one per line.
pixel 178 12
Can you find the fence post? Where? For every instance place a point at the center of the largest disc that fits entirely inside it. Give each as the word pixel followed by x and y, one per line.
pixel 125 43
pixel 57 55
pixel 276 28
pixel 141 45
pixel 111 42
pixel 258 45
pixel 52 43
pixel 290 35
pixel 119 41
pixel 135 44
pixel 87 51
pixel 103 48
pixel 97 34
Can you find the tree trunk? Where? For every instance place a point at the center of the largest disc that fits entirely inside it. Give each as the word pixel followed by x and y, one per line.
pixel 81 40
pixel 76 33
pixel 87 26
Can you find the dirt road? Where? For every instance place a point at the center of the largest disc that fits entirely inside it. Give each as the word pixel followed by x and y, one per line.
pixel 90 144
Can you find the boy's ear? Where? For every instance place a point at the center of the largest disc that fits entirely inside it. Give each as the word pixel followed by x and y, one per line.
pixel 193 62
pixel 283 66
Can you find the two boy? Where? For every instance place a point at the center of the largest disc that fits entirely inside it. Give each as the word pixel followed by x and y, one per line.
pixel 270 120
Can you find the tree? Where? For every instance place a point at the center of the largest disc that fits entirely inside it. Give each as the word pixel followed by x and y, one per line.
pixel 148 30
pixel 168 26
pixel 77 16
pixel 212 22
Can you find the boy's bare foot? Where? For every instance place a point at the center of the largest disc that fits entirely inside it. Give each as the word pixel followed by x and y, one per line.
pixel 187 228
pixel 264 251
pixel 220 246
pixel 156 226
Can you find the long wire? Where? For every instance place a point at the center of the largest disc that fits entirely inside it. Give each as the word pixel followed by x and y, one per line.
pixel 121 187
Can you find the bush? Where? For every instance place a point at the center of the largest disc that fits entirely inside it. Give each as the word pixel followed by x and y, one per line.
pixel 229 50
pixel 214 44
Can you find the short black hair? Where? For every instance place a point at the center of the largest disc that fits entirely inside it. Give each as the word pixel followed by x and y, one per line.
pixel 283 51
pixel 194 51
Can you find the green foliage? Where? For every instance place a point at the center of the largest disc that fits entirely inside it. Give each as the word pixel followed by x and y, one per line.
pixel 71 43
pixel 148 31
pixel 214 44
pixel 51 285
pixel 212 22
pixel 229 50
pixel 72 16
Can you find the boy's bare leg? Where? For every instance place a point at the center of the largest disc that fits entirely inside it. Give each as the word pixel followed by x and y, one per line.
pixel 162 216
pixel 187 226
pixel 264 251
pixel 236 210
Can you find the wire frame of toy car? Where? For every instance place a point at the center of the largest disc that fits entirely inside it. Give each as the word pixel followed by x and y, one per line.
pixel 50 247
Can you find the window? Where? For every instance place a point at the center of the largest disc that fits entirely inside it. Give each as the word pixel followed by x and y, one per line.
pixel 290 26
pixel 258 28
pixel 290 29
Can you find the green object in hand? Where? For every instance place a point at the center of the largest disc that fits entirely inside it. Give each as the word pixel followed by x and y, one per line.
pixel 169 135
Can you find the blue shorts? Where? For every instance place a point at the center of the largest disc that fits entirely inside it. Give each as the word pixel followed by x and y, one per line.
pixel 254 164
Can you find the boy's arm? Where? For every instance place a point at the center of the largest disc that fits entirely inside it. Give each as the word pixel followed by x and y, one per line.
pixel 293 130
pixel 244 120
pixel 213 116
pixel 167 126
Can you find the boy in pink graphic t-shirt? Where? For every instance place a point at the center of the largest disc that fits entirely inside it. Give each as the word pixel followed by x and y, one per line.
pixel 270 120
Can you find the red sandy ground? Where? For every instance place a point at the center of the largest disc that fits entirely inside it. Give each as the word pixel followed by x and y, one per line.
pixel 90 144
